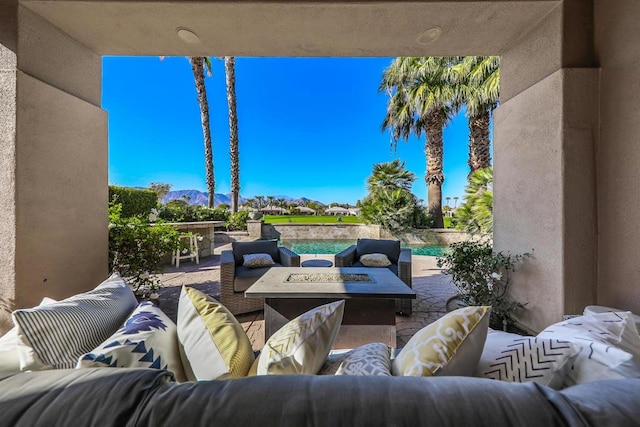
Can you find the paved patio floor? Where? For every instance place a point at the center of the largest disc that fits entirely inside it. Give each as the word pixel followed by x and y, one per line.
pixel 433 288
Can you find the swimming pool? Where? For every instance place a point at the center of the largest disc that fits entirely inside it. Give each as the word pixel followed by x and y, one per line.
pixel 335 246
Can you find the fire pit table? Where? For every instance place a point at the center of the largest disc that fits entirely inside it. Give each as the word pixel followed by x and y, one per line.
pixel 369 294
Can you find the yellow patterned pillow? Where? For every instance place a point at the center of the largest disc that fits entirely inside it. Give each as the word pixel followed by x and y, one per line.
pixel 213 344
pixel 452 345
pixel 302 345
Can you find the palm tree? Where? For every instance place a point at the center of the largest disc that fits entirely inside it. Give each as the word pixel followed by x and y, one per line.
pixel 271 200
pixel 455 202
pixel 477 80
pixel 390 176
pixel 448 199
pixel 230 72
pixel 259 202
pixel 198 64
pixel 421 100
pixel 475 215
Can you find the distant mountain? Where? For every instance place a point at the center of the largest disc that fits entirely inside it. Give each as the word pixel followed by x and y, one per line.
pixel 196 197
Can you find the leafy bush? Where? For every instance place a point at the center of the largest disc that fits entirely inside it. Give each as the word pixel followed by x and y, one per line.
pixel 482 277
pixel 137 249
pixel 238 221
pixel 181 211
pixel 134 201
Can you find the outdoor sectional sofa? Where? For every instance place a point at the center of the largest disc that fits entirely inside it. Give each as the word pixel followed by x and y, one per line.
pixel 146 397
pixel 100 358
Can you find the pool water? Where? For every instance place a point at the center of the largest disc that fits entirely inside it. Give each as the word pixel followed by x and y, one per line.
pixel 336 246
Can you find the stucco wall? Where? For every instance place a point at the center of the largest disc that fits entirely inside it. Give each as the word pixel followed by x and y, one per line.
pixel 8 93
pixel 53 194
pixel 320 231
pixel 544 193
pixel 618 50
pixel 61 171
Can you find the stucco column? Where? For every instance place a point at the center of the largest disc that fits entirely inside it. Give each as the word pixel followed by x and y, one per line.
pixel 545 134
pixel 53 177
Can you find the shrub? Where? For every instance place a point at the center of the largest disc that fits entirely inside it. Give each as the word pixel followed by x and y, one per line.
pixel 238 221
pixel 482 277
pixel 181 211
pixel 137 249
pixel 134 202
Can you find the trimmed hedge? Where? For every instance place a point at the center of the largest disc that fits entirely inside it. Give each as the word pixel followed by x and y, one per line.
pixel 134 202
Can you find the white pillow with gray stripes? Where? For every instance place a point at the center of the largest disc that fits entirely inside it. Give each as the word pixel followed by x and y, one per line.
pixel 54 336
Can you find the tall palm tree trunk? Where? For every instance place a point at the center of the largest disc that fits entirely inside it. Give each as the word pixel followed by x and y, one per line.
pixel 229 68
pixel 198 75
pixel 434 177
pixel 479 144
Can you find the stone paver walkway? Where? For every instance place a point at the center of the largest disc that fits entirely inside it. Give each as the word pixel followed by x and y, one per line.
pixel 433 288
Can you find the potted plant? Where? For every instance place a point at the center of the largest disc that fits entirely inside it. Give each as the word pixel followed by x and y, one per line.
pixel 482 277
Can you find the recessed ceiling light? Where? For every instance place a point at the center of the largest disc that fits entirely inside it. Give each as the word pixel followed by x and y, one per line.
pixel 187 35
pixel 429 36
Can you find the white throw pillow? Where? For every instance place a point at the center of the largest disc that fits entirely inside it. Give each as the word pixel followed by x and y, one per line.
pixel 57 334
pixel 516 358
pixel 148 339
pixel 9 357
pixel 375 260
pixel 257 260
pixel 302 345
pixel 610 346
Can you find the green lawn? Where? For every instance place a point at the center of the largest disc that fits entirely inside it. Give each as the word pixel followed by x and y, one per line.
pixel 325 219
pixel 447 222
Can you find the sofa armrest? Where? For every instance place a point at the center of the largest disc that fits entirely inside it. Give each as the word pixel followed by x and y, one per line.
pixel 288 258
pixel 227 267
pixel 404 266
pixel 346 258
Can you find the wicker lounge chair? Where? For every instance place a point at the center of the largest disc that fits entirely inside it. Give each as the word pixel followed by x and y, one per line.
pixel 235 278
pixel 400 262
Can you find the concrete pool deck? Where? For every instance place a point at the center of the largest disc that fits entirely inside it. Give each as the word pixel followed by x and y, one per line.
pixel 432 287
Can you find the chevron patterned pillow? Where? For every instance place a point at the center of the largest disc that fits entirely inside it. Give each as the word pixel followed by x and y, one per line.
pixel 516 358
pixel 302 345
pixel 610 346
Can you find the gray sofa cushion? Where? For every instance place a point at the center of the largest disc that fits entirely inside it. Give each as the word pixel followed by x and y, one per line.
pixel 391 248
pixel 392 267
pixel 78 397
pixel 258 247
pixel 123 397
pixel 245 277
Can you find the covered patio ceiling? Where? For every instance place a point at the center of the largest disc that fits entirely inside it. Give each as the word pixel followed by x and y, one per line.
pixel 322 28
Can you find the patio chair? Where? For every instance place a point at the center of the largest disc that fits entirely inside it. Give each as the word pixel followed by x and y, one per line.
pixel 400 262
pixel 235 278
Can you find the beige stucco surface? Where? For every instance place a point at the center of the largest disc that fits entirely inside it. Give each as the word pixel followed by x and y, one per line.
pixel 302 28
pixel 618 50
pixel 8 89
pixel 61 202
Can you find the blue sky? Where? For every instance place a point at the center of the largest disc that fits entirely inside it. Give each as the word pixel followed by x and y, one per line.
pixel 308 127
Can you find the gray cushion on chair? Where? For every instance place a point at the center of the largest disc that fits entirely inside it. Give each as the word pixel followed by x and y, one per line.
pixel 258 247
pixel 245 277
pixel 392 267
pixel 391 248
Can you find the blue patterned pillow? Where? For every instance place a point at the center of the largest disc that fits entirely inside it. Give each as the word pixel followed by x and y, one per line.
pixel 148 339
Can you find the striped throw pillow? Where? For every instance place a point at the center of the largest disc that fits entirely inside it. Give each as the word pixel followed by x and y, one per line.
pixel 54 336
